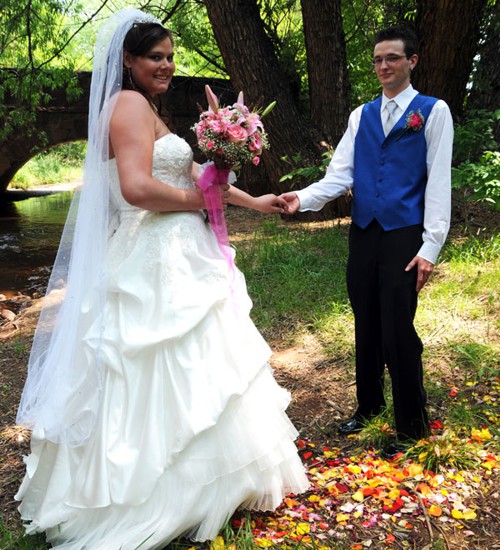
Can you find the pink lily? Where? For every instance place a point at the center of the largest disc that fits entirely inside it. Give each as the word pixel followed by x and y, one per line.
pixel 213 100
pixel 240 107
pixel 254 123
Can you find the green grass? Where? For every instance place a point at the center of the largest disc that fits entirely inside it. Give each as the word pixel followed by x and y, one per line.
pixel 297 279
pixel 57 165
pixel 18 347
pixel 17 541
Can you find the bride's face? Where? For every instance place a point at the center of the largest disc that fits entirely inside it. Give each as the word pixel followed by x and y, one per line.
pixel 152 72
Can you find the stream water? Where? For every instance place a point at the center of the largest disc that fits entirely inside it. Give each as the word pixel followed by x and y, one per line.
pixel 30 230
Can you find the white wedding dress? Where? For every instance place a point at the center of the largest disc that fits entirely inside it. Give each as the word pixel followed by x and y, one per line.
pixel 191 423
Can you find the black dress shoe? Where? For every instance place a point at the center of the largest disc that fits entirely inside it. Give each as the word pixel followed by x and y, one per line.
pixel 351 426
pixel 392 450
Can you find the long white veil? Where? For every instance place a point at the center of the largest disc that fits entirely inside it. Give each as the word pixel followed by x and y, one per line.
pixel 61 396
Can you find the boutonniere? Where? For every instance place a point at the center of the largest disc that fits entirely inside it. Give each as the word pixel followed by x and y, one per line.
pixel 414 121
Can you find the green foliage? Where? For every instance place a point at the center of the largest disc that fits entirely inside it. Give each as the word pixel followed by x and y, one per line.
pixel 476 160
pixel 480 180
pixel 197 53
pixel 475 135
pixel 378 432
pixel 284 26
pixel 306 174
pixel 479 360
pixel 60 164
pixel 34 44
pixel 473 250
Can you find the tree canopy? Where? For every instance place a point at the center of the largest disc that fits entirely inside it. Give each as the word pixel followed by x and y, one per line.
pixel 312 56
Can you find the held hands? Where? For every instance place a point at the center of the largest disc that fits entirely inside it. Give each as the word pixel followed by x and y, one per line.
pixel 424 268
pixel 270 203
pixel 266 204
pixel 292 202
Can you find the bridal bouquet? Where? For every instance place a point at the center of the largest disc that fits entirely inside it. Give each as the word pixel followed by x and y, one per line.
pixel 229 137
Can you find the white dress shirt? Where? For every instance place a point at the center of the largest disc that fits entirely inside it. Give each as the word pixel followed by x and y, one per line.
pixel 437 206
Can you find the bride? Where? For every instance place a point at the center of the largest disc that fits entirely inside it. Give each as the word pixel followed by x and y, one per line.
pixel 153 409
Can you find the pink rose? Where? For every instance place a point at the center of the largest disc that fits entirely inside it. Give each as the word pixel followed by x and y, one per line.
pixel 236 134
pixel 415 121
pixel 210 145
pixel 255 161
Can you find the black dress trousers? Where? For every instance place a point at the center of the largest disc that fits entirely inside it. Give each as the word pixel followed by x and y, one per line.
pixel 384 302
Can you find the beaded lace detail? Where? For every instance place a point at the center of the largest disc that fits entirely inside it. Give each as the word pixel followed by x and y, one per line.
pixel 172 162
pixel 166 239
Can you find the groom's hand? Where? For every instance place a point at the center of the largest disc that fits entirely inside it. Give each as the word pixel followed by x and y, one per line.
pixel 424 270
pixel 292 202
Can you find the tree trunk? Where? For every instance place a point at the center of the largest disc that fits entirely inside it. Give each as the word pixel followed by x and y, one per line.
pixel 253 67
pixel 448 34
pixel 329 89
pixel 485 93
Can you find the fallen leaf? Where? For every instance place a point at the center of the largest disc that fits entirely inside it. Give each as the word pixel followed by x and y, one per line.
pixel 435 511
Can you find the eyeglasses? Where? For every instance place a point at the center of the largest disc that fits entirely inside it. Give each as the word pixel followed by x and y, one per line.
pixel 389 59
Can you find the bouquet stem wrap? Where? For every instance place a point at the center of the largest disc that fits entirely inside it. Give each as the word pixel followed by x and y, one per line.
pixel 210 182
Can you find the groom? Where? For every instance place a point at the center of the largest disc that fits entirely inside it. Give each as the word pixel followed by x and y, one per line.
pixel 396 157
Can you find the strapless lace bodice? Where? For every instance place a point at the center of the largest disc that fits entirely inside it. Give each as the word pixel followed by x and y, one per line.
pixel 172 164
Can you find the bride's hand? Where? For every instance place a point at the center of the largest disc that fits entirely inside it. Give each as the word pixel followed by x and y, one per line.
pixel 269 203
pixel 225 191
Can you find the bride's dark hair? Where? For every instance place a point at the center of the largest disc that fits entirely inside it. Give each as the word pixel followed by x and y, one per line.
pixel 138 41
pixel 143 36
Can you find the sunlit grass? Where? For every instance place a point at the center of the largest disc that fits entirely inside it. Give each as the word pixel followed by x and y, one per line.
pixel 60 164
pixel 295 277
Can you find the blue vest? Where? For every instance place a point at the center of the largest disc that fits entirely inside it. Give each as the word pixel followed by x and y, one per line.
pixel 390 174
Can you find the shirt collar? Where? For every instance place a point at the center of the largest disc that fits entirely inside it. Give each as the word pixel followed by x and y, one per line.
pixel 403 99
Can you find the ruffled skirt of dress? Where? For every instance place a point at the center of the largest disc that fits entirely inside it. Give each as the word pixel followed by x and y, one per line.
pixel 191 423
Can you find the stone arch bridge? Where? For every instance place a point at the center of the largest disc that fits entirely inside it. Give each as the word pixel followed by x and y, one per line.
pixel 60 121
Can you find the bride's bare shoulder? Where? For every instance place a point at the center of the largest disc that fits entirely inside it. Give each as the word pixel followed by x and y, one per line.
pixel 130 98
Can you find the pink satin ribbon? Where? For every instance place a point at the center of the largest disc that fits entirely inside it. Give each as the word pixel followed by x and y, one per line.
pixel 210 182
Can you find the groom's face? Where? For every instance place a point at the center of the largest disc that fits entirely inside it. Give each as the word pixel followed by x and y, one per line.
pixel 392 66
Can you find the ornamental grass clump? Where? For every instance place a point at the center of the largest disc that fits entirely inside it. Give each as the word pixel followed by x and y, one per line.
pixel 445 451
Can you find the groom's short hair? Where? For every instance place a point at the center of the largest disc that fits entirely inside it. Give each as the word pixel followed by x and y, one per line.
pixel 401 32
